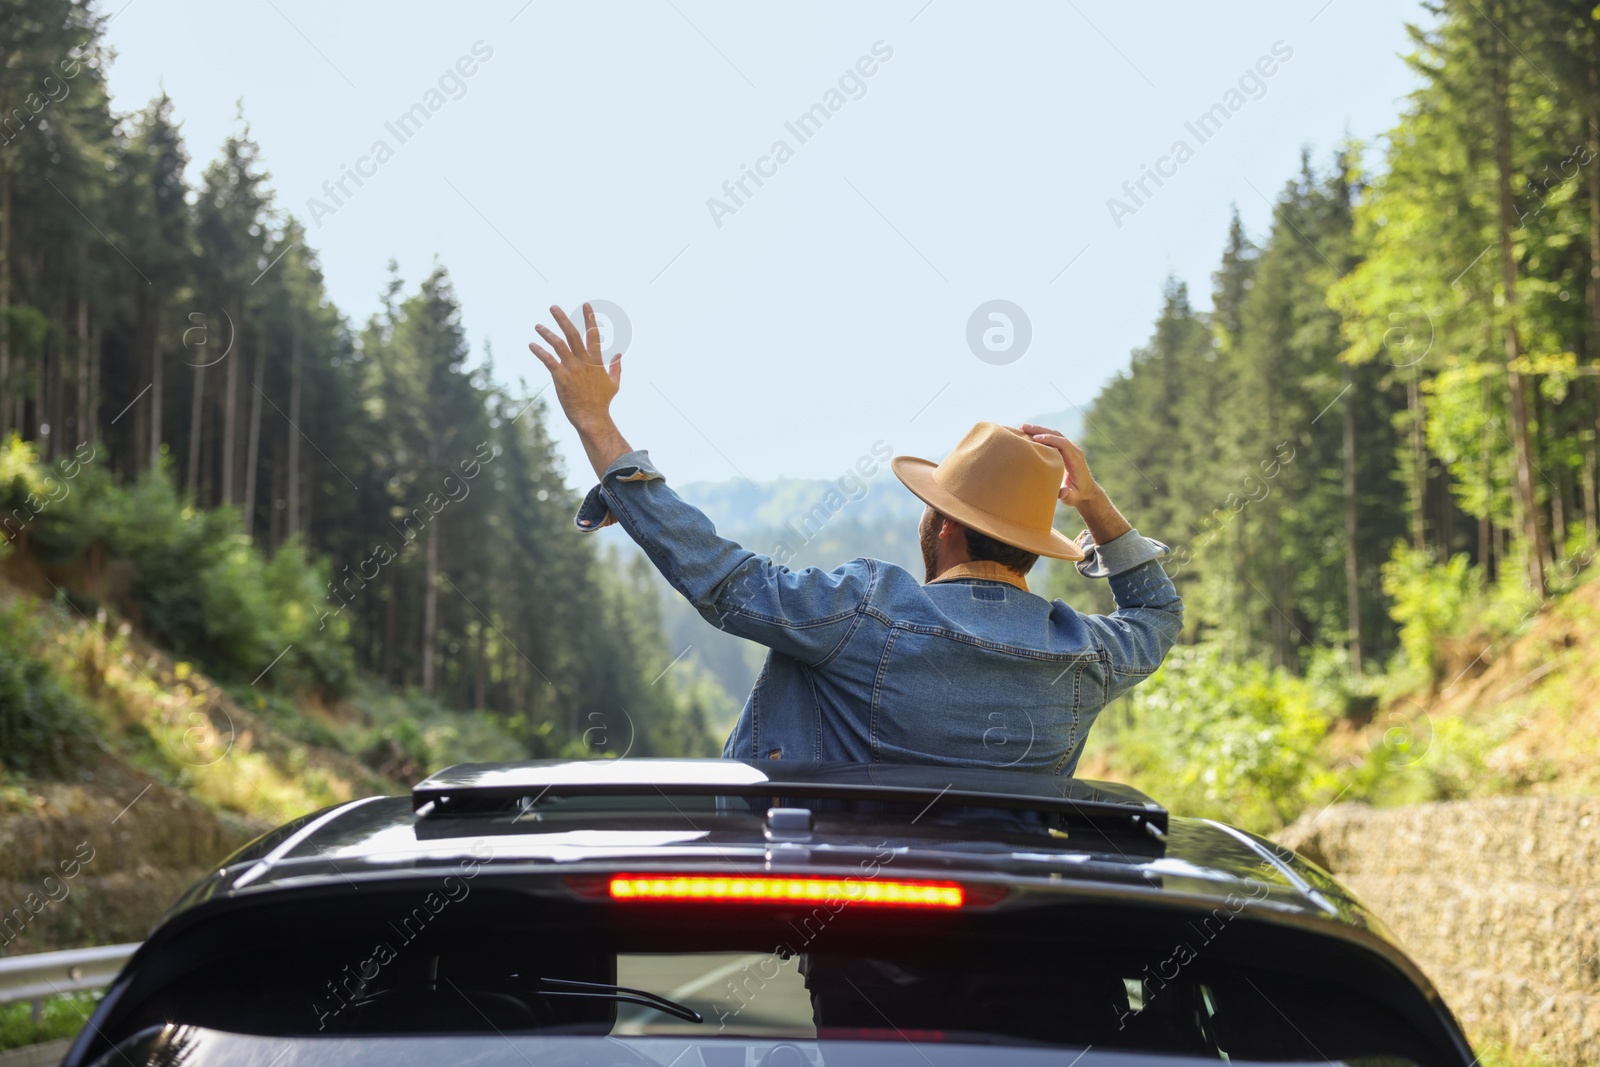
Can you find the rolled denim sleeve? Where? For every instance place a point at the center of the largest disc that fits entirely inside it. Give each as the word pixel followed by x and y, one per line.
pixel 595 512
pixel 1120 554
pixel 805 614
pixel 1149 617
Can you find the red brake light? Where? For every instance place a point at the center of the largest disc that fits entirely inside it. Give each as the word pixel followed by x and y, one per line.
pixel 781 890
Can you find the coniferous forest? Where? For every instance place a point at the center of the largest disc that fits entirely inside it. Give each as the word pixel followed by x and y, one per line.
pixel 1377 445
pixel 1376 452
pixel 203 443
pixel 259 558
pixel 1402 369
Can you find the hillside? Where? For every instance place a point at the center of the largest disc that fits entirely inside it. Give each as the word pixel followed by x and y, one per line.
pixel 1515 714
pixel 1462 810
pixel 140 771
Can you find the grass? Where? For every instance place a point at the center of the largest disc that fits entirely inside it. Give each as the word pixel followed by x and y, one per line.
pixel 58 1017
pixel 268 755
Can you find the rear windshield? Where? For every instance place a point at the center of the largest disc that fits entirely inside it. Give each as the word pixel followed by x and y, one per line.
pixel 188 1046
pixel 750 977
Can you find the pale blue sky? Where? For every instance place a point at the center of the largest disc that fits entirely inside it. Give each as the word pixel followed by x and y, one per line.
pixel 830 310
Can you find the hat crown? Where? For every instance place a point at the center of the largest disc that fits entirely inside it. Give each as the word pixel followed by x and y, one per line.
pixel 1001 473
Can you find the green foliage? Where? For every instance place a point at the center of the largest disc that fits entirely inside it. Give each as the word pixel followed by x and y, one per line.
pixel 410 734
pixel 1211 736
pixel 197 584
pixel 1429 602
pixel 59 1017
pixel 44 727
pixel 1422 760
pixel 365 501
pixel 207 594
pixel 1437 603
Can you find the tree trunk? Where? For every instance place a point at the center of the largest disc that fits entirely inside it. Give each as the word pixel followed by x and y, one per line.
pixel 1558 515
pixel 1445 531
pixel 230 409
pixel 274 512
pixel 141 355
pixel 1486 465
pixel 157 386
pixel 56 390
pixel 306 516
pixel 1594 284
pixel 1239 594
pixel 1588 495
pixel 1352 571
pixel 480 685
pixel 92 429
pixel 85 418
pixel 391 609
pixel 39 418
pixel 253 446
pixel 196 417
pixel 1419 464
pixel 5 300
pixel 1521 441
pixel 430 594
pixel 293 435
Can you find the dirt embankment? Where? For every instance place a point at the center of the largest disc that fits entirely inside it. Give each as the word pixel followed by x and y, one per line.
pixel 1498 899
pixel 1518 714
pixel 177 775
pixel 99 865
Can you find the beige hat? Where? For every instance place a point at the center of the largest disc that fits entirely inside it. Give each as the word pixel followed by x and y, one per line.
pixel 999 483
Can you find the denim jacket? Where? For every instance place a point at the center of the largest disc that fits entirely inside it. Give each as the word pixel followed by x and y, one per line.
pixel 867 664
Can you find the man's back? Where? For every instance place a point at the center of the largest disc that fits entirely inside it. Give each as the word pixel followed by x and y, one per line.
pixel 966 671
pixel 869 664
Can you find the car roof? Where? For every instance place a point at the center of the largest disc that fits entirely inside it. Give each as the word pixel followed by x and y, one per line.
pixel 1114 837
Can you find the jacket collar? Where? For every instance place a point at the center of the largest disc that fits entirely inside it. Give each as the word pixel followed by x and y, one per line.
pixel 986 569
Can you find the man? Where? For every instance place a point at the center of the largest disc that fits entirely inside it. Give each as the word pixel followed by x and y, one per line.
pixel 866 663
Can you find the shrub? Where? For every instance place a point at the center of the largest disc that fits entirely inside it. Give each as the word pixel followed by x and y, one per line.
pixel 59 1017
pixel 44 726
pixel 200 586
pixel 1437 605
pixel 1234 740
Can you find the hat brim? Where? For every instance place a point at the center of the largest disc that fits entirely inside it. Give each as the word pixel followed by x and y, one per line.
pixel 917 475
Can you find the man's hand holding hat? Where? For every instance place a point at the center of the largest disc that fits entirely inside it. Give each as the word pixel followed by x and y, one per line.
pixel 1078 487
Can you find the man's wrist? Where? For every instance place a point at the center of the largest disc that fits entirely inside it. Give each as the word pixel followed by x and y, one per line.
pixel 594 425
pixel 1093 497
pixel 602 442
pixel 1100 515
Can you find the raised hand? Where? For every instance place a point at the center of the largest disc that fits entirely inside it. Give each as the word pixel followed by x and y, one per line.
pixel 584 383
pixel 1078 487
pixel 1077 484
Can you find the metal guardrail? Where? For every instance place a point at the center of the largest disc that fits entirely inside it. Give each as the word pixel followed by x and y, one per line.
pixel 46 974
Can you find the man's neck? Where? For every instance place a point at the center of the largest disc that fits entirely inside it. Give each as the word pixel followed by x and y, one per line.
pixel 985 569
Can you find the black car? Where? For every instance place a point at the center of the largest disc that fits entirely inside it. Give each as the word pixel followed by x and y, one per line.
pixel 719 913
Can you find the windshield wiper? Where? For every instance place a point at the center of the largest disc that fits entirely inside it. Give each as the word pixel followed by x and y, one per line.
pixel 566 987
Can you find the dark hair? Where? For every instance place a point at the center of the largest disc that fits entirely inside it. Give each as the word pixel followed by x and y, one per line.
pixel 982 546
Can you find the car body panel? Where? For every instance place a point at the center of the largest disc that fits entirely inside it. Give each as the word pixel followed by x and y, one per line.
pixel 1119 848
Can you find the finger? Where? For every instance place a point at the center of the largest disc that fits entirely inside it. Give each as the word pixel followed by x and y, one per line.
pixel 554 341
pixel 615 370
pixel 1033 428
pixel 544 357
pixel 591 334
pixel 574 338
pixel 1071 453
